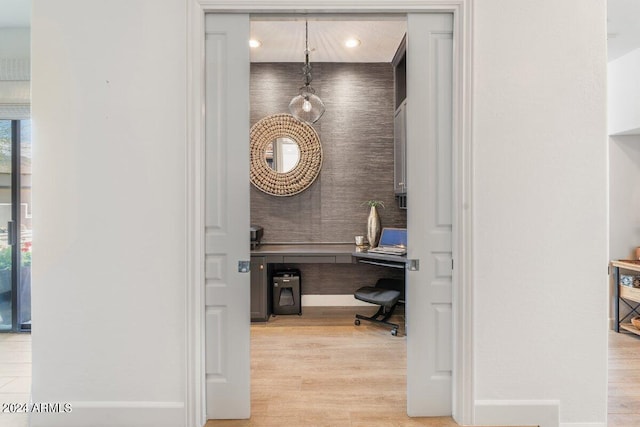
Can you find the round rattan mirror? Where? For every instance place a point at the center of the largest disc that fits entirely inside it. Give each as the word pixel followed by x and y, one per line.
pixel 264 137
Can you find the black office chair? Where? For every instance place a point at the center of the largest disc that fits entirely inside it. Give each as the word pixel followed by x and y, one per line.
pixel 387 293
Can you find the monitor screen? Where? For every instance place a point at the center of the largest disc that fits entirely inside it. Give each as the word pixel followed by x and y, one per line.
pixel 393 237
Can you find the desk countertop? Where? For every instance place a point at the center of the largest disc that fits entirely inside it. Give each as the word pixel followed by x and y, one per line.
pixel 295 253
pixel 304 249
pixel 324 253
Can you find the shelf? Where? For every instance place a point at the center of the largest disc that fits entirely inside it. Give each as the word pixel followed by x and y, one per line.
pixel 630 328
pixel 627 264
pixel 627 292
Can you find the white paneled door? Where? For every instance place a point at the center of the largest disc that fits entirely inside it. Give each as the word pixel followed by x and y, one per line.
pixel 227 315
pixel 429 215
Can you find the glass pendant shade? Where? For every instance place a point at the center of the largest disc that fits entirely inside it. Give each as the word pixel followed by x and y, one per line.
pixel 307 106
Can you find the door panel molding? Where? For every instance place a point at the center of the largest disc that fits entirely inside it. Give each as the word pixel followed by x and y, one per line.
pixel 462 212
pixel 226 302
pixel 429 166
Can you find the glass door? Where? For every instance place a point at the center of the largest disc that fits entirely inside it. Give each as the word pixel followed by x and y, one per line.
pixel 15 225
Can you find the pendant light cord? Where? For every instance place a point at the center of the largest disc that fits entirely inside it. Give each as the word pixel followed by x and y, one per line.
pixel 307 66
pixel 306 106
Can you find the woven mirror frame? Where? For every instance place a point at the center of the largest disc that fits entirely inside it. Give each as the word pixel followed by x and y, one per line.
pixel 303 174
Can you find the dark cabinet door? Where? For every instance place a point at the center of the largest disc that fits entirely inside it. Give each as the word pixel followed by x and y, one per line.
pixel 259 290
pixel 400 149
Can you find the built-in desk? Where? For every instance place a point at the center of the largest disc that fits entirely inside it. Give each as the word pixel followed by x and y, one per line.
pixel 266 256
pixel 318 253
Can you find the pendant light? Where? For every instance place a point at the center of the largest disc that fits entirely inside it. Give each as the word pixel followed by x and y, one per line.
pixel 306 106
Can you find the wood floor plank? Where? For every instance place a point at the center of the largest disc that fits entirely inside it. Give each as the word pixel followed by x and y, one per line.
pixel 623 420
pixel 623 404
pixel 319 369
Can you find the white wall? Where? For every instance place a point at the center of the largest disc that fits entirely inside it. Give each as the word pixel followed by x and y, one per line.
pixel 109 125
pixel 624 94
pixel 624 196
pixel 109 131
pixel 540 156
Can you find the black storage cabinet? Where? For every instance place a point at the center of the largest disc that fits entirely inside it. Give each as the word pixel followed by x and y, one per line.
pixel 287 292
pixel 260 290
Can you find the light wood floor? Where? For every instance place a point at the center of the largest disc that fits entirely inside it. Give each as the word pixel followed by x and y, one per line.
pixel 15 375
pixel 624 380
pixel 310 371
pixel 321 370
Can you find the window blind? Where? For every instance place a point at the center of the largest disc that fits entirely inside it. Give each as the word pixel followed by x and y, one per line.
pixel 15 88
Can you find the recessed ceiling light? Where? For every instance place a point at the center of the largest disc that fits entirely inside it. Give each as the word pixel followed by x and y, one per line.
pixel 352 43
pixel 255 43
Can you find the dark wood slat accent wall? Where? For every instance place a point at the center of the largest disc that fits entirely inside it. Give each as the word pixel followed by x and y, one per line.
pixel 356 133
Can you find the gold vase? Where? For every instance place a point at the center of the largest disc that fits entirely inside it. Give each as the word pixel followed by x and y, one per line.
pixel 373 227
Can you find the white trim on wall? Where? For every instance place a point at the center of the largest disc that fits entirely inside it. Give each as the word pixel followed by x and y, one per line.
pixel 542 413
pixel 462 231
pixel 333 301
pixel 195 411
pixel 119 413
pixel 463 397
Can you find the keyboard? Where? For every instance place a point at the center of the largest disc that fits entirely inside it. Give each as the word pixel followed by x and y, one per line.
pixel 388 250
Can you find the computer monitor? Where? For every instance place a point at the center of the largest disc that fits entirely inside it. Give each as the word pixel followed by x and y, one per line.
pixel 393 237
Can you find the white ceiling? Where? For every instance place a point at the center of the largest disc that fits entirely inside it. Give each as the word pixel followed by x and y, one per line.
pixel 283 40
pixel 623 27
pixel 15 13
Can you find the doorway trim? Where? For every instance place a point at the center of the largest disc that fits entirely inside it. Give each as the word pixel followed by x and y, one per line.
pixel 463 355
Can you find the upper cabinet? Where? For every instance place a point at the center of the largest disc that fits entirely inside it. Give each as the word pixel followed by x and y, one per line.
pixel 400 123
pixel 400 150
pixel 400 72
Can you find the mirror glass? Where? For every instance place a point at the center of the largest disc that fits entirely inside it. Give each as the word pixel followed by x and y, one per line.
pixel 282 155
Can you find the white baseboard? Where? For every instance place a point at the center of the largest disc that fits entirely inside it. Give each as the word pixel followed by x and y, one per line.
pixel 114 414
pixel 542 413
pixel 332 301
pixel 583 424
